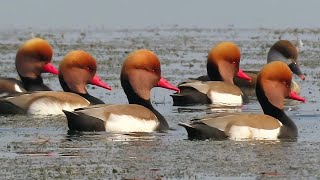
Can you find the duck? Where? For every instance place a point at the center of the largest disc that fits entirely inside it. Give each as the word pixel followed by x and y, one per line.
pixel 140 72
pixel 32 59
pixel 282 50
pixel 273 85
pixel 217 87
pixel 76 70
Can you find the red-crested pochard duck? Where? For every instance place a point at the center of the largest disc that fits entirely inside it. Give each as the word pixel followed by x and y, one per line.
pixel 140 73
pixel 217 87
pixel 76 70
pixel 282 50
pixel 273 85
pixel 32 59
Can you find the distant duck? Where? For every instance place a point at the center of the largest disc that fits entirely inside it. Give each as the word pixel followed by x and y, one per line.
pixel 76 70
pixel 140 72
pixel 217 87
pixel 282 50
pixel 32 59
pixel 273 85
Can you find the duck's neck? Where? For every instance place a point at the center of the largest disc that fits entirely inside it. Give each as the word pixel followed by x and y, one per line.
pixel 93 100
pixel 133 98
pixel 213 72
pixel 31 84
pixel 273 111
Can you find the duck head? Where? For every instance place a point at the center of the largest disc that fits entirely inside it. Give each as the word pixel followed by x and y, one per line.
pixel 275 80
pixel 34 57
pixel 141 72
pixel 285 51
pixel 77 69
pixel 223 63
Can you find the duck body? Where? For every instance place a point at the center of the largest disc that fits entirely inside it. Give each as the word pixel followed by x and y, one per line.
pixel 217 87
pixel 282 50
pixel 140 73
pixel 10 86
pixel 272 87
pixel 227 126
pixel 42 103
pixel 32 59
pixel 208 92
pixel 51 102
pixel 115 118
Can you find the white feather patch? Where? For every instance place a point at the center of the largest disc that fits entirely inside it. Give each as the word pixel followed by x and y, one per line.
pixel 17 88
pixel 225 99
pixel 240 133
pixel 126 123
pixel 46 106
pixel 4 94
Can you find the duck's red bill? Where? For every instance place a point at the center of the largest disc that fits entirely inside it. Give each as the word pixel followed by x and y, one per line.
pixel 165 84
pixel 243 75
pixel 301 76
pixel 49 68
pixel 293 95
pixel 98 82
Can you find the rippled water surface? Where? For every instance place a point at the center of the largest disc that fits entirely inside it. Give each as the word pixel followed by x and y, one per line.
pixel 40 147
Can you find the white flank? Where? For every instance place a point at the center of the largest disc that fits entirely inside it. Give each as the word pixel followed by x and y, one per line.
pixel 240 133
pixel 126 123
pixel 46 106
pixel 4 94
pixel 17 88
pixel 225 99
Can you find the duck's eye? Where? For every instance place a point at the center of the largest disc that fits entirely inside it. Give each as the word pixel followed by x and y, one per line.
pixel 152 70
pixel 285 84
pixel 43 58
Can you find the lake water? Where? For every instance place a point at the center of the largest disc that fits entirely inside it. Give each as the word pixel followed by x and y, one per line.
pixel 40 147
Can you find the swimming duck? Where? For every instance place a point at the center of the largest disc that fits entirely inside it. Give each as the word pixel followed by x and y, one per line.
pixel 140 72
pixel 282 50
pixel 273 85
pixel 32 58
pixel 217 87
pixel 77 69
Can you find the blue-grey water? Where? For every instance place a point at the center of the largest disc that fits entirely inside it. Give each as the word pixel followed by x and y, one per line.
pixel 40 147
pixel 181 33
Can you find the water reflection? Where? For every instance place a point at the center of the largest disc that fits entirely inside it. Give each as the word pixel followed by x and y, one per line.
pixel 108 136
pixel 208 109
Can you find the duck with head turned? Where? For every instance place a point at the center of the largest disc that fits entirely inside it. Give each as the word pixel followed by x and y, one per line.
pixel 217 87
pixel 273 85
pixel 282 50
pixel 32 58
pixel 76 70
pixel 140 72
